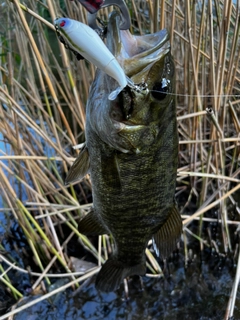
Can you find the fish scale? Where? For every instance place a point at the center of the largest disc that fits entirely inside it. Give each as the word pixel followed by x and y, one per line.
pixel 132 149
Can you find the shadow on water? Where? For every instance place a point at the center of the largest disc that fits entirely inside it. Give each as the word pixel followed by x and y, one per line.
pixel 198 292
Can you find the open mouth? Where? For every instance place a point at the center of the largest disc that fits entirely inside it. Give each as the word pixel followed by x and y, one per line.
pixel 134 53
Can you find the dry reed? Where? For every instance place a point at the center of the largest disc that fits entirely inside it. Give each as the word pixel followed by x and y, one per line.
pixel 43 94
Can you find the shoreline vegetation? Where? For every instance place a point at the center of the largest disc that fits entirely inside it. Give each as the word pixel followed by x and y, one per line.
pixel 43 94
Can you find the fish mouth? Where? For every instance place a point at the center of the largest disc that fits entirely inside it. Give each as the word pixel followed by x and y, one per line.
pixel 135 53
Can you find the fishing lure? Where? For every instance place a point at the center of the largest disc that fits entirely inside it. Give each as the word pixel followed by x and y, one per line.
pixel 85 41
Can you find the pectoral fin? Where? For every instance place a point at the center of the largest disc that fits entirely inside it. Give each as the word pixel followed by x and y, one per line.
pixel 79 168
pixel 165 240
pixel 91 225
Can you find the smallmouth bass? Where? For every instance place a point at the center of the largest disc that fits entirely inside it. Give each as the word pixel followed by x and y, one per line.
pixel 131 153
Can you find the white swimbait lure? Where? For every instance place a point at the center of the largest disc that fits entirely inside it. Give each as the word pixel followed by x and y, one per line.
pixel 88 44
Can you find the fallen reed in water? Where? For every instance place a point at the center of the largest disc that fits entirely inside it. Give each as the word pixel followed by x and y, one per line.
pixel 43 95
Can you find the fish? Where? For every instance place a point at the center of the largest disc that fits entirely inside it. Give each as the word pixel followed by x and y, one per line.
pixel 86 42
pixel 131 154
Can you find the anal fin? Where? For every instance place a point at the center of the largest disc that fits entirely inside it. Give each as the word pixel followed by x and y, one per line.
pixel 80 167
pixel 166 238
pixel 113 272
pixel 91 225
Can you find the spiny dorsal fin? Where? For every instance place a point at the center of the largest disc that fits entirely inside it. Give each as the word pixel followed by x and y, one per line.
pixel 91 225
pixel 165 240
pixel 79 168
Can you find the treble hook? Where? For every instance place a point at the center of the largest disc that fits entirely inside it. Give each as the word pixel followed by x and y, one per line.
pixel 94 5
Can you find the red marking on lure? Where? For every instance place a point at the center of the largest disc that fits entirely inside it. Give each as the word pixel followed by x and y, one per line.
pixel 92 6
pixel 62 24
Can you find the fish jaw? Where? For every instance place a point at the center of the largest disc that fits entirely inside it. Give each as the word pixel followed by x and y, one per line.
pixel 134 53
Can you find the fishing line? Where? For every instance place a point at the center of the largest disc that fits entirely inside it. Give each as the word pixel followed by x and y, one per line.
pixel 197 95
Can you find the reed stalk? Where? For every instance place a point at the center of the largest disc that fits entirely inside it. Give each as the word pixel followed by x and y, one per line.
pixel 43 95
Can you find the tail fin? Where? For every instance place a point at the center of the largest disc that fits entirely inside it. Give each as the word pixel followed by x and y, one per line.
pixel 113 272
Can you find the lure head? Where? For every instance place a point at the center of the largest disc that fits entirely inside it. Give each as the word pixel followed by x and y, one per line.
pixel 63 24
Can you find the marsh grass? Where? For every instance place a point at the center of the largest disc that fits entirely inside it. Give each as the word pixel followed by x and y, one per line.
pixel 43 94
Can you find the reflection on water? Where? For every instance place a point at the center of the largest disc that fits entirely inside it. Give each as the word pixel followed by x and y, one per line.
pixel 199 292
pixel 41 147
pixel 4 149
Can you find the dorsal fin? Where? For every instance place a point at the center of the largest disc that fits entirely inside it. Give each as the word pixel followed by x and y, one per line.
pixel 80 167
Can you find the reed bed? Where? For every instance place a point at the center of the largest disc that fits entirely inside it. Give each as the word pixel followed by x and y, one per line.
pixel 43 94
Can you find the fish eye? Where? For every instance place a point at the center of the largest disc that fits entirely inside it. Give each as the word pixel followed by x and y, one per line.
pixel 161 89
